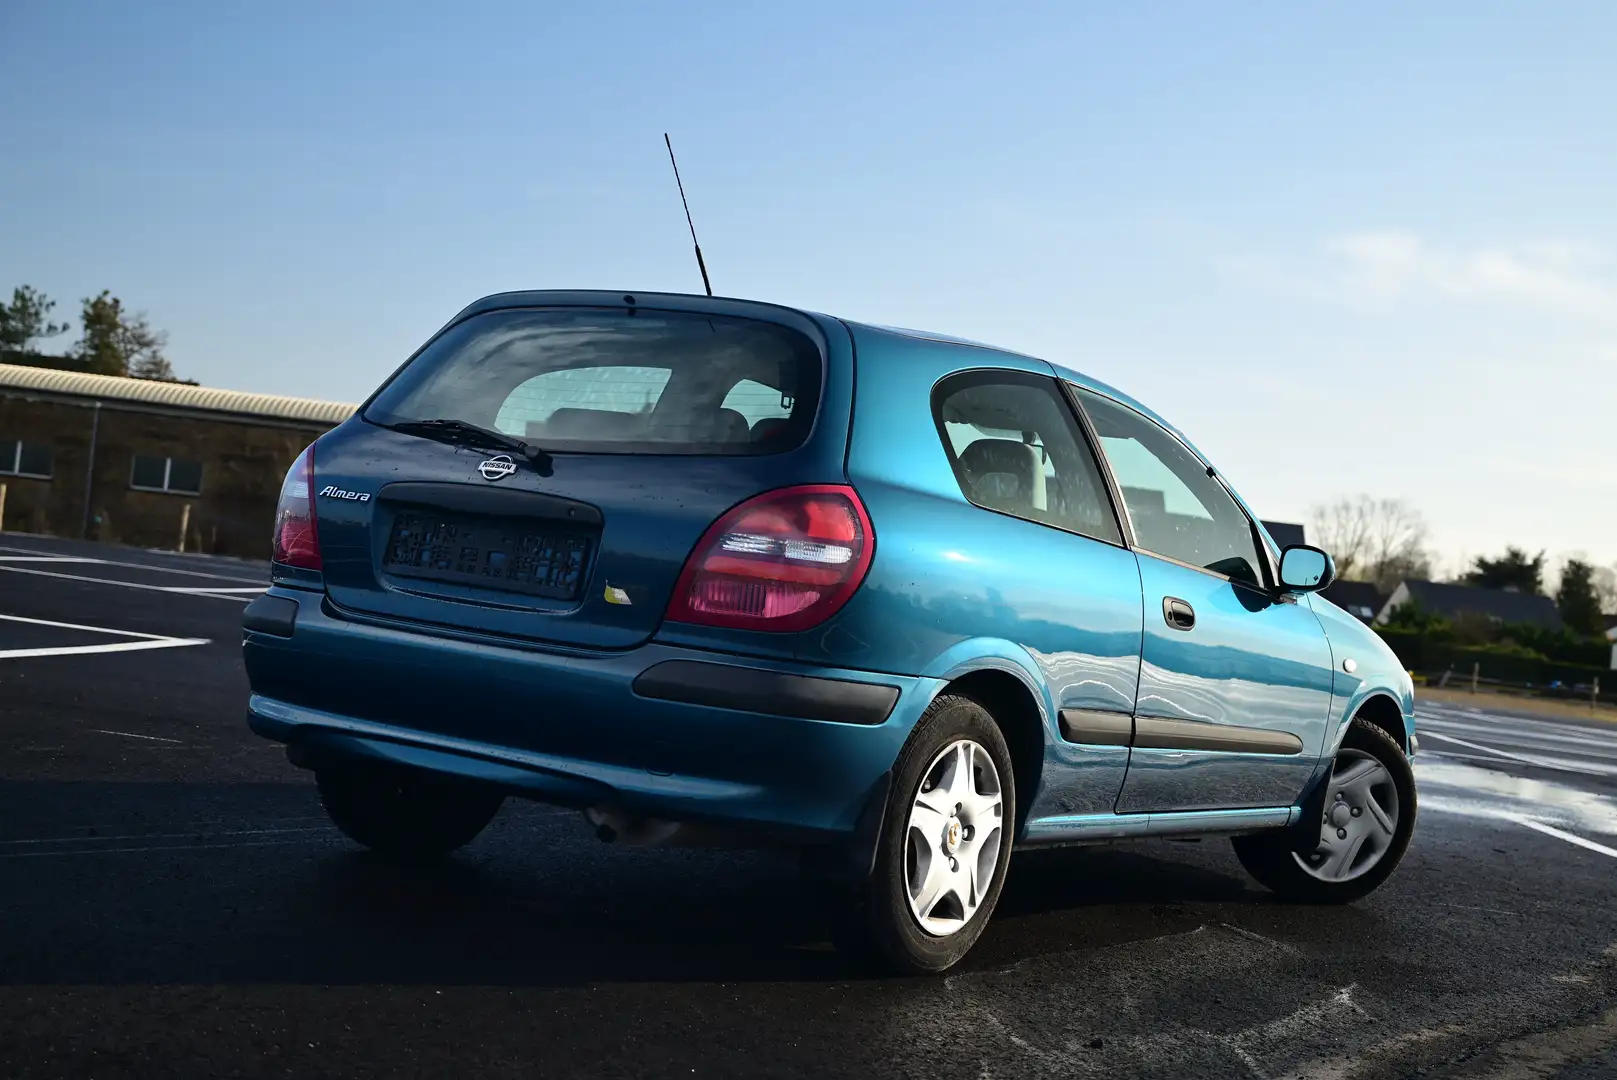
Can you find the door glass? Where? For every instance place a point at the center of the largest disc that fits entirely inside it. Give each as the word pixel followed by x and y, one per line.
pixel 1017 449
pixel 1176 508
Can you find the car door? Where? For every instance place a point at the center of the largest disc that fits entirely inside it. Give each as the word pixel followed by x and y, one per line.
pixel 1235 678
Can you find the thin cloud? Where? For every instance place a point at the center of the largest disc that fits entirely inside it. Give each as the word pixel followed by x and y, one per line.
pixel 1395 265
pixel 1381 268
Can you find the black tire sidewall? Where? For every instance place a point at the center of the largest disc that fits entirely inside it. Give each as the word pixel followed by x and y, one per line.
pixel 903 943
pixel 403 815
pixel 1269 857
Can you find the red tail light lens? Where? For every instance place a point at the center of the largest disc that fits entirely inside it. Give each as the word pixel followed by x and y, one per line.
pixel 296 542
pixel 786 561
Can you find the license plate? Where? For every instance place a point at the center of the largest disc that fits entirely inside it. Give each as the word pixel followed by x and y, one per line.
pixel 512 556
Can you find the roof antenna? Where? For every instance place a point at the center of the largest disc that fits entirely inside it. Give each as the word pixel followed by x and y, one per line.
pixel 700 265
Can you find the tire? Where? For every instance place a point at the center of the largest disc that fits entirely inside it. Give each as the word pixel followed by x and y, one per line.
pixel 405 816
pixel 1338 872
pixel 960 871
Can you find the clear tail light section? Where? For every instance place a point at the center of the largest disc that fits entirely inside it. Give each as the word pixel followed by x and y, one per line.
pixel 785 560
pixel 296 541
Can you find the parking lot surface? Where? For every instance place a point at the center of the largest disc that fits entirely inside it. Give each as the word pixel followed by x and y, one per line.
pixel 173 903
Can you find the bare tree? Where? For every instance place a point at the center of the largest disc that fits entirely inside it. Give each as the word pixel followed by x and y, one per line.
pixel 1378 540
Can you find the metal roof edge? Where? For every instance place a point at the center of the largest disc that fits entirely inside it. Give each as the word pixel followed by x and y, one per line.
pixel 26 379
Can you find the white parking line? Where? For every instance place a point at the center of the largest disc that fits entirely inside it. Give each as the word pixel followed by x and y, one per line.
pixel 164 847
pixel 132 735
pixel 142 641
pixel 1582 766
pixel 32 556
pixel 46 558
pixel 91 650
pixel 1571 838
pixel 87 629
pixel 214 589
pixel 1478 746
pixel 215 594
pixel 162 836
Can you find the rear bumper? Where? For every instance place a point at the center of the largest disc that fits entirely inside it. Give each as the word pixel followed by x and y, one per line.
pixel 664 731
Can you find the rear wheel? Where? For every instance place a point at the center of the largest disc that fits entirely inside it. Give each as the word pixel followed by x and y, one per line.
pixel 404 815
pixel 1368 819
pixel 946 842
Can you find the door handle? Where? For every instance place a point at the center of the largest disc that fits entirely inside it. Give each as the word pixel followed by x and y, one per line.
pixel 1178 614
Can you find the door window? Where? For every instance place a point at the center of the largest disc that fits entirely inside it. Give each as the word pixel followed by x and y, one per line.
pixel 1177 509
pixel 1016 448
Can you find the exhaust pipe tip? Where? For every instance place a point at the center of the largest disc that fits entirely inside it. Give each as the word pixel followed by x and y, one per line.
pixel 614 826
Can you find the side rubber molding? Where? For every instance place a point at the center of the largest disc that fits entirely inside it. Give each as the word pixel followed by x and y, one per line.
pixel 274 615
pixel 1155 733
pixel 775 693
pixel 1097 728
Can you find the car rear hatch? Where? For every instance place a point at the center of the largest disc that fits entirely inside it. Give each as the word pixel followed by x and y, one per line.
pixel 644 424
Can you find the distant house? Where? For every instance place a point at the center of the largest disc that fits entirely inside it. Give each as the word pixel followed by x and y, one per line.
pixel 1453 601
pixel 1284 533
pixel 1358 598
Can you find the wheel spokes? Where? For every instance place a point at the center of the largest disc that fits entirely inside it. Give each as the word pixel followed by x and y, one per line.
pixel 1356 773
pixel 1382 824
pixel 954 837
pixel 1340 854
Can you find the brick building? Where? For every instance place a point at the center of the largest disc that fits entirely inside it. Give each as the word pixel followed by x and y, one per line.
pixel 131 461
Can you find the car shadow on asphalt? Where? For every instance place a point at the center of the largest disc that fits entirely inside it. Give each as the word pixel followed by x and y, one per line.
pixel 247 883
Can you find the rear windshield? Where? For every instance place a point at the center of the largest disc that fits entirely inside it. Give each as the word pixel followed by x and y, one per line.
pixel 608 381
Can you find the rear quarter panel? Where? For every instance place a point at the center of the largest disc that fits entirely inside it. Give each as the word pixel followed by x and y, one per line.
pixel 954 588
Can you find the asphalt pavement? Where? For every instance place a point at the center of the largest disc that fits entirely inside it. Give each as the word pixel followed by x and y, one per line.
pixel 174 903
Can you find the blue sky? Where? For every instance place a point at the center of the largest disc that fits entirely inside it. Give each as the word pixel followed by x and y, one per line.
pixel 1348 248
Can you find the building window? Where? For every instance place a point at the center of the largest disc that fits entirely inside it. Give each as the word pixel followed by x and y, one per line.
pixel 166 474
pixel 19 458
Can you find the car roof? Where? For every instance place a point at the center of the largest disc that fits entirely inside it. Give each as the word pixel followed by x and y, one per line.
pixel 518 298
pixel 1062 371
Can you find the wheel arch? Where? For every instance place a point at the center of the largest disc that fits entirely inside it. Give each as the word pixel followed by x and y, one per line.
pixel 1011 699
pixel 1385 713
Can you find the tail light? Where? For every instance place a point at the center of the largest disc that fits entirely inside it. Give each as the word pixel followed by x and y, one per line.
pixel 786 560
pixel 296 542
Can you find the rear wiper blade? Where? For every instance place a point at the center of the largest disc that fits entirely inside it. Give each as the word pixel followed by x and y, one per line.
pixel 467 434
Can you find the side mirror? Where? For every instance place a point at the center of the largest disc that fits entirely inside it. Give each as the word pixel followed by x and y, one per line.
pixel 1306 569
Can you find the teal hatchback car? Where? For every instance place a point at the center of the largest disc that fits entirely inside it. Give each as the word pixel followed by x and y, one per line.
pixel 712 570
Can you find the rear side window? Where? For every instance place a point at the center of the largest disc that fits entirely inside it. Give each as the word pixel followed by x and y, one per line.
pixel 1016 448
pixel 606 381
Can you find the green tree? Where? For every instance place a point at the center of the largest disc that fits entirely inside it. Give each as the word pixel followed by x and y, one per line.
pixel 25 319
pixel 1577 599
pixel 1512 571
pixel 116 342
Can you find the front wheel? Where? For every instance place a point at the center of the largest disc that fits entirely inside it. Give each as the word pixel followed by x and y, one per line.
pixel 1366 826
pixel 402 815
pixel 946 840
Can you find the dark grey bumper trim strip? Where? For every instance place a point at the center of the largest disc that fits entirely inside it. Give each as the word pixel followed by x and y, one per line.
pixel 725 686
pixel 1157 733
pixel 1096 727
pixel 271 615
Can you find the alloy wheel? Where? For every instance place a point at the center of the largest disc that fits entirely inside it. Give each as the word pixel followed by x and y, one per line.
pixel 952 844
